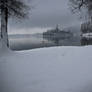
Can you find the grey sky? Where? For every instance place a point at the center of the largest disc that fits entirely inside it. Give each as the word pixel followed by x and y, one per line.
pixel 45 14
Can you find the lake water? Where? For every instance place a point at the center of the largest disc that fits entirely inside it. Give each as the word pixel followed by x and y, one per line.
pixel 31 42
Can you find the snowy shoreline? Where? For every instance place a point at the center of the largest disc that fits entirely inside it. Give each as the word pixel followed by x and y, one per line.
pixel 54 69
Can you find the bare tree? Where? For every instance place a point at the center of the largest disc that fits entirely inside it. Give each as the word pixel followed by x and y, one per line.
pixel 78 5
pixel 8 8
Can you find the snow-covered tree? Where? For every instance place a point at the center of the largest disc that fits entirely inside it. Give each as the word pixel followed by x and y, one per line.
pixel 8 8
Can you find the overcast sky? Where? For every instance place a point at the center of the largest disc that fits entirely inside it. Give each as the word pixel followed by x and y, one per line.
pixel 44 15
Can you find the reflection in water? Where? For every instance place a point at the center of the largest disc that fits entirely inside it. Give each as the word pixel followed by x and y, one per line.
pixel 25 43
pixel 30 42
pixel 65 41
pixel 53 40
pixel 85 41
pixel 56 41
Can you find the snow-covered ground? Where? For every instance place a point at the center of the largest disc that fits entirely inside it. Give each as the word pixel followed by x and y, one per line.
pixel 87 35
pixel 57 69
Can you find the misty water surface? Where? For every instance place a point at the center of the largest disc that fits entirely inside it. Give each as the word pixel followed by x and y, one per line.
pixel 25 42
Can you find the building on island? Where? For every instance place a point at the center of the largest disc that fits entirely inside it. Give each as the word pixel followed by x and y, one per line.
pixel 57 34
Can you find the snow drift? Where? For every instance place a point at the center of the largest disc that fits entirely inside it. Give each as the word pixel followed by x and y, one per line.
pixel 57 69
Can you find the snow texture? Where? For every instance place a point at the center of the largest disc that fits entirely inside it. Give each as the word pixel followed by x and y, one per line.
pixel 87 35
pixel 57 69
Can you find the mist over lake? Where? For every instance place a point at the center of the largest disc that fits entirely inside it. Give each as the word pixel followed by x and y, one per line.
pixel 29 41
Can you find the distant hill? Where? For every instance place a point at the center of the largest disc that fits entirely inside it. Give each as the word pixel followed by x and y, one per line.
pixel 25 35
